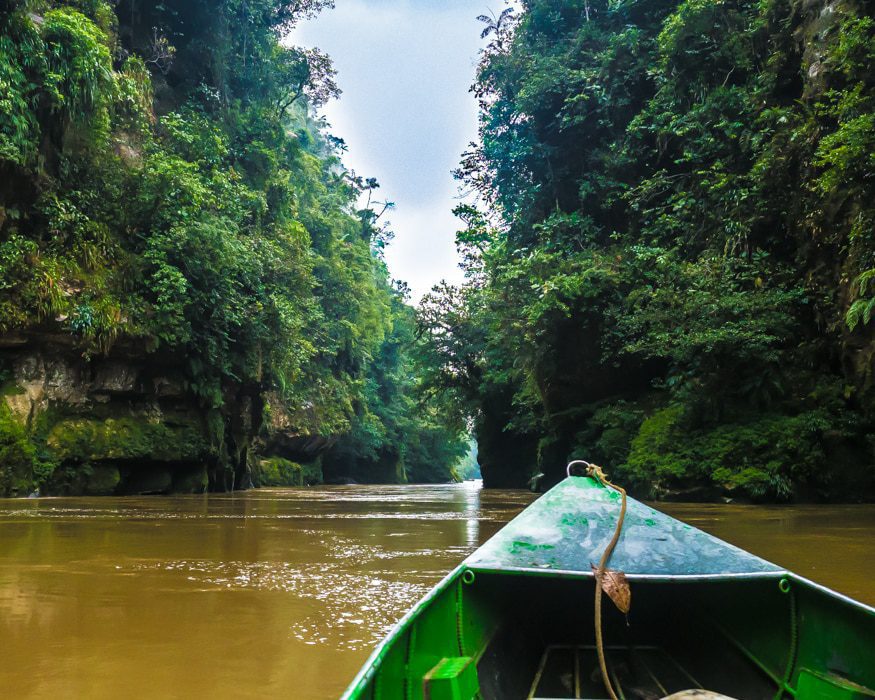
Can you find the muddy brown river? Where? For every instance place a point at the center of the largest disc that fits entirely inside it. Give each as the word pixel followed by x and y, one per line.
pixel 282 593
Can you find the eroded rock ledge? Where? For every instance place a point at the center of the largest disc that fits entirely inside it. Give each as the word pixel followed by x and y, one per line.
pixel 127 424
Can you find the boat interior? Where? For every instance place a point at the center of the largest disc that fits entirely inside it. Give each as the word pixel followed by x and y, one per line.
pixel 674 638
pixel 499 636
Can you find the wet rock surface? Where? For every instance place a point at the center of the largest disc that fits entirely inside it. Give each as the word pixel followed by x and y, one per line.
pixel 129 424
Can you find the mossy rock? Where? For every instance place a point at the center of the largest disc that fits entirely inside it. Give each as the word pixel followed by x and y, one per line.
pixel 10 388
pixel 18 458
pixel 312 472
pixel 88 439
pixel 103 480
pixel 765 457
pixel 82 479
pixel 190 479
pixel 277 471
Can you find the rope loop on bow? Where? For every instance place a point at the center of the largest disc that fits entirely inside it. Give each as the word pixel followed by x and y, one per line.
pixel 596 472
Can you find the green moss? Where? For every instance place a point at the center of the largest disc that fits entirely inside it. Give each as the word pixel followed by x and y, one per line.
pixel 102 480
pixel 18 458
pixel 194 480
pixel 652 452
pixel 312 472
pixel 765 457
pixel 277 471
pixel 86 439
pixel 73 478
pixel 69 479
pixel 11 389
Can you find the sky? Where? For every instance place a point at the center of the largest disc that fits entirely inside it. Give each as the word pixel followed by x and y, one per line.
pixel 405 67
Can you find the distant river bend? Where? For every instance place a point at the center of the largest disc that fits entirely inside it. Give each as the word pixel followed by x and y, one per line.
pixel 283 592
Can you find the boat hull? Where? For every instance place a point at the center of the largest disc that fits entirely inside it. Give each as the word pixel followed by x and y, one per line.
pixel 503 625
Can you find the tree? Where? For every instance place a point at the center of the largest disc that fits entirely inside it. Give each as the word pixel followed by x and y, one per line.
pixel 671 268
pixel 499 26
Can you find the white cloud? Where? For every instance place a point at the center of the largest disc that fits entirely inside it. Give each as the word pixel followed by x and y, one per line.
pixel 405 67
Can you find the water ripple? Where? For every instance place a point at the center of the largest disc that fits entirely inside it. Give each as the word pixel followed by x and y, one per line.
pixel 356 609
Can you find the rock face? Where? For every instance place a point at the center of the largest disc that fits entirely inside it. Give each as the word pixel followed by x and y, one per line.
pixel 281 432
pixel 507 459
pixel 126 424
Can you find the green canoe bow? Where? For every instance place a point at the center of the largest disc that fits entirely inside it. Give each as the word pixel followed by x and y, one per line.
pixel 514 620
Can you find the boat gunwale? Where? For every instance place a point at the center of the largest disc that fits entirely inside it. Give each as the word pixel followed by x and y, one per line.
pixel 826 590
pixel 373 662
pixel 657 578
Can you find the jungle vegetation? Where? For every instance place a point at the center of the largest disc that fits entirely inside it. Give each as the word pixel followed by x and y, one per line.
pixel 165 184
pixel 671 260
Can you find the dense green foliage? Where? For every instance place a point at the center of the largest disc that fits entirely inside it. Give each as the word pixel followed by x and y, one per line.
pixel 397 411
pixel 164 186
pixel 674 273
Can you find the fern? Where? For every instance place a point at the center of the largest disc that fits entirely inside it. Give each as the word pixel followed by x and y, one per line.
pixel 862 308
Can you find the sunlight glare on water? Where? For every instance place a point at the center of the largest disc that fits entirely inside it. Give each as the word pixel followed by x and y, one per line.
pixel 263 593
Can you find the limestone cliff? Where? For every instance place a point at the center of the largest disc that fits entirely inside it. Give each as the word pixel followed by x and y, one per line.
pixel 127 423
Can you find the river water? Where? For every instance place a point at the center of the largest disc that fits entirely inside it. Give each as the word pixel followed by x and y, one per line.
pixel 279 592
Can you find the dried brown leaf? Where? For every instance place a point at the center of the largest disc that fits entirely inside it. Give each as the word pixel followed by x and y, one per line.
pixel 616 586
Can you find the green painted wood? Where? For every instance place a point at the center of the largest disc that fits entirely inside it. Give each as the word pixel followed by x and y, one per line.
pixel 828 686
pixel 567 529
pixel 453 678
